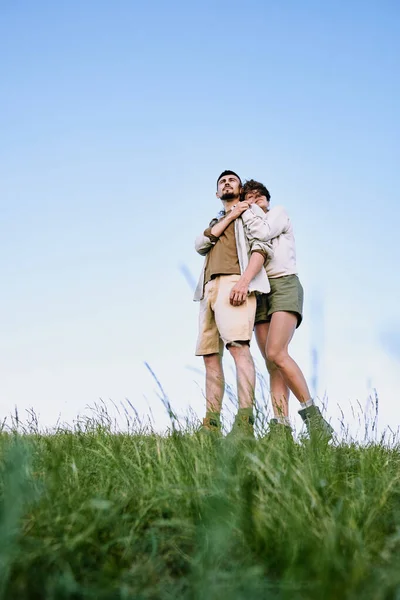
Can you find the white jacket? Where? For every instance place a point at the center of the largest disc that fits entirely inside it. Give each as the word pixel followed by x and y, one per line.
pixel 275 227
pixel 251 221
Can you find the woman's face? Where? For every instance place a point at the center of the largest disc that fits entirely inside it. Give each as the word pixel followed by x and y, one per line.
pixel 255 197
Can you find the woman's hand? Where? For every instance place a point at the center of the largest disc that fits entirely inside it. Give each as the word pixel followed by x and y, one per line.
pixel 237 210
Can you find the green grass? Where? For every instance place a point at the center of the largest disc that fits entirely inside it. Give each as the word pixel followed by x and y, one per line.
pixel 97 514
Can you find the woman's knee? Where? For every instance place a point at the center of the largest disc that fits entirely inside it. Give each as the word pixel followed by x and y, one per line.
pixel 275 358
pixel 271 367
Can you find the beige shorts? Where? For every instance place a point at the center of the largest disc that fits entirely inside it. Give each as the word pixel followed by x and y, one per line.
pixel 220 322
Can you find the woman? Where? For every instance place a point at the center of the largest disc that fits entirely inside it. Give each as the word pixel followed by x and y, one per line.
pixel 279 313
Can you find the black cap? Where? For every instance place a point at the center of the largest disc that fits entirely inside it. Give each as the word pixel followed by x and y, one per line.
pixel 229 173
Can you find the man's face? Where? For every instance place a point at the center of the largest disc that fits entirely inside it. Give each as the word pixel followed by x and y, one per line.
pixel 228 187
pixel 255 197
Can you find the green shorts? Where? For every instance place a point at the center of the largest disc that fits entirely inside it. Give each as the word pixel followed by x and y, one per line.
pixel 286 295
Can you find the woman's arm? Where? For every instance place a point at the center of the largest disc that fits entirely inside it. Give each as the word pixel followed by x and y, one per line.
pixel 209 238
pixel 265 226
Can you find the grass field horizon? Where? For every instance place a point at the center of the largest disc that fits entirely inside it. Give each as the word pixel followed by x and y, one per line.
pixel 89 511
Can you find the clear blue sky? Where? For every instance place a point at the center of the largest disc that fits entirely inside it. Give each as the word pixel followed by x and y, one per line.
pixel 115 120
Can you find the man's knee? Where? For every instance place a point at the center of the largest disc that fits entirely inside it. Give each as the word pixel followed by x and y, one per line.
pixel 212 361
pixel 239 347
pixel 240 352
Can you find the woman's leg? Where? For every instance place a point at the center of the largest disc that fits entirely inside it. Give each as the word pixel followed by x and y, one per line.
pixel 278 387
pixel 280 332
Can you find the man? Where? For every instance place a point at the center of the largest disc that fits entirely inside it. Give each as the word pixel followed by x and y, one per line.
pixel 232 273
pixel 280 312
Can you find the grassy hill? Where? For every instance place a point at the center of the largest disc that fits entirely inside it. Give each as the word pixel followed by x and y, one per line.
pixel 96 514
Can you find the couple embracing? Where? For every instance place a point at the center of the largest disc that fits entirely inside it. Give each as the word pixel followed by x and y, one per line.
pixel 249 281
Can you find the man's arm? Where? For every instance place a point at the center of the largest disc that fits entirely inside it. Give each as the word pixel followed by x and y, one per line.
pixel 265 226
pixel 239 291
pixel 203 244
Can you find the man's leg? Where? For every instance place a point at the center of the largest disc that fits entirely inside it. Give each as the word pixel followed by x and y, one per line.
pixel 215 382
pixel 210 347
pixel 246 381
pixel 235 325
pixel 278 388
pixel 245 373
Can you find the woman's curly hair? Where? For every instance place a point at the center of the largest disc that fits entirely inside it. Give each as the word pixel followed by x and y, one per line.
pixel 254 186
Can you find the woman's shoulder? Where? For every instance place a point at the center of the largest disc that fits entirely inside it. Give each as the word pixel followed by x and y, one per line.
pixel 277 207
pixel 278 210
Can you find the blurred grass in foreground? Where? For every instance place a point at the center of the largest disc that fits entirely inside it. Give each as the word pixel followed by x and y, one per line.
pixel 92 513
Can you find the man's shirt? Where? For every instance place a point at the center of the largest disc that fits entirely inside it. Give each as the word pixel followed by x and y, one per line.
pixel 223 257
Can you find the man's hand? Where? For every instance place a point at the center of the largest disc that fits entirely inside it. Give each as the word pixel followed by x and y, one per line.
pixel 239 291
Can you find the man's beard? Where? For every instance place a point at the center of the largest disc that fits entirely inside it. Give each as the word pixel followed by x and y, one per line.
pixel 229 196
